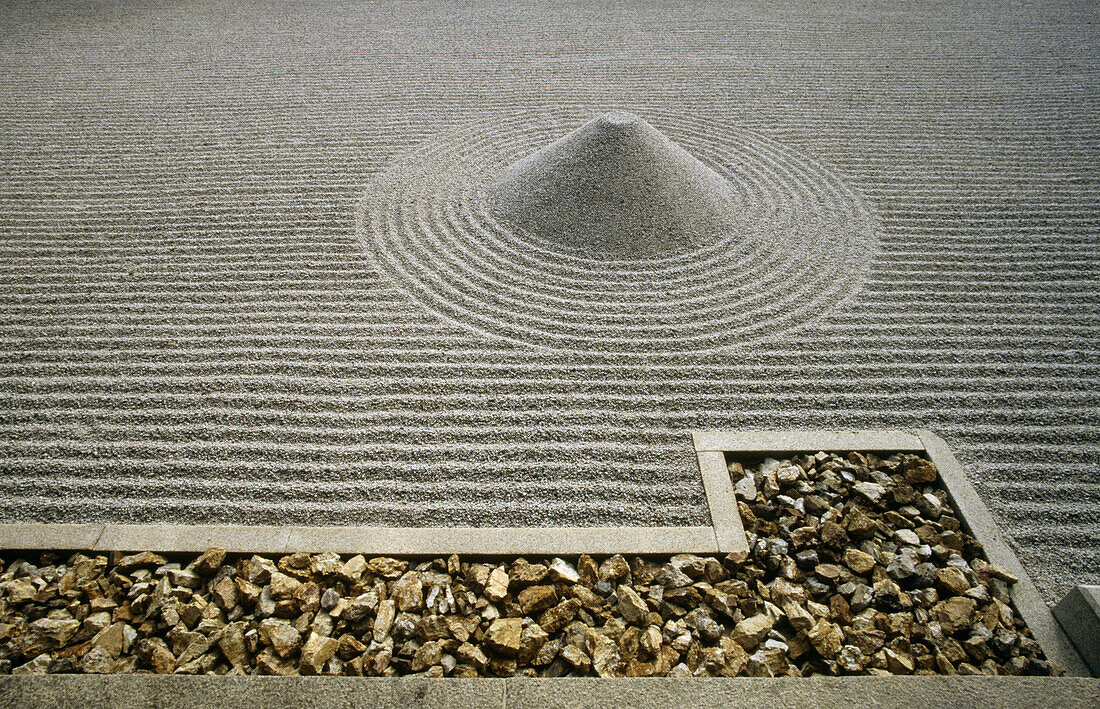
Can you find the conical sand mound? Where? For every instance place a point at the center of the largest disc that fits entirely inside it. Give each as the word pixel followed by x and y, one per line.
pixel 616 187
pixel 629 247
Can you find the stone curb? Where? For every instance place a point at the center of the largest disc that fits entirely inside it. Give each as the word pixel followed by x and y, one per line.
pixel 34 692
pixel 395 541
pixel 1079 615
pixel 725 534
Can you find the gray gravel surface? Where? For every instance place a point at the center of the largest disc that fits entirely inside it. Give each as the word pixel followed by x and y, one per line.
pixel 192 331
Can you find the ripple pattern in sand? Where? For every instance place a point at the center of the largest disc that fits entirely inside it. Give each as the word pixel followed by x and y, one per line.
pixel 801 246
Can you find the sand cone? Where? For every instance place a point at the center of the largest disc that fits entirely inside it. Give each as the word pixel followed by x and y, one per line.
pixel 615 188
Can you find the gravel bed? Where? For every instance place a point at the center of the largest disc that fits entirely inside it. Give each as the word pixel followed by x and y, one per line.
pixel 857 565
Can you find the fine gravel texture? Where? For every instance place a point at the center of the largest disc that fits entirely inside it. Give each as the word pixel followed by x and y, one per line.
pixel 616 188
pixel 194 329
pixel 858 566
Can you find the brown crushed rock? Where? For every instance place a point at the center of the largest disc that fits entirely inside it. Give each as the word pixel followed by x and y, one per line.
pixel 857 565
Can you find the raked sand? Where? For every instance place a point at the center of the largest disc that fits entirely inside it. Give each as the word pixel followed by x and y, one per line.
pixel 200 324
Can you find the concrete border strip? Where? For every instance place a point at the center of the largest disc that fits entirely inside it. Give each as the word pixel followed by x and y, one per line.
pixel 1079 615
pixel 729 532
pixel 36 691
pixel 723 536
pixel 806 441
pixel 364 540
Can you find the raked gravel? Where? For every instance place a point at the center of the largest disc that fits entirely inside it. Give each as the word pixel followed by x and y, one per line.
pixel 192 332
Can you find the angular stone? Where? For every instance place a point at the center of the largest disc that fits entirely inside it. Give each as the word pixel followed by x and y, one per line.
pixel 92 624
pixel 537 598
pixel 576 657
pixel 871 491
pixel 145 559
pixel 268 662
pixel 919 471
pixel 95 661
pixel 326 565
pixel 907 536
pixel 522 573
pixel 383 622
pixel 408 592
pixel 504 635
pixel 826 639
pixel 386 567
pixel 868 641
pixel 614 568
pixel 350 647
pixel 953 579
pixel 858 561
pixel 587 570
pixel 691 564
pixel 767 663
pixel 282 636
pixel 671 577
pixel 1000 572
pixel 198 647
pixel 632 608
pixel 20 591
pixel 707 628
pixel 797 616
pixel 530 642
pixel 231 643
pixel 360 607
pixel 850 659
pixel 185 578
pixel 225 594
pixel 111 640
pixel 353 568
pixel 604 654
pixel 52 633
pixel 427 655
pixel 899 662
pixel 497 587
pixel 745 489
pixel 161 658
pixel 315 653
pixel 955 613
pixel 282 586
pixel 783 590
pixel 751 631
pixel 561 570
pixel 208 562
pixel 329 599
pixel 650 640
pixel 472 655
pixel 255 570
pixel 832 534
pixel 560 615
pixel 859 524
pixel 433 627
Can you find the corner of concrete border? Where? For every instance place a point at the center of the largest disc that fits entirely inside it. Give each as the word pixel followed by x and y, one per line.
pixel 1029 603
pixel 1055 643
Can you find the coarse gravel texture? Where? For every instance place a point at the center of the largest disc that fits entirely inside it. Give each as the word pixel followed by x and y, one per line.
pixel 191 331
pixel 859 566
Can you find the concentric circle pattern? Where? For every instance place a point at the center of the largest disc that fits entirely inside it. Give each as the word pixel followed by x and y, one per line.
pixel 800 245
